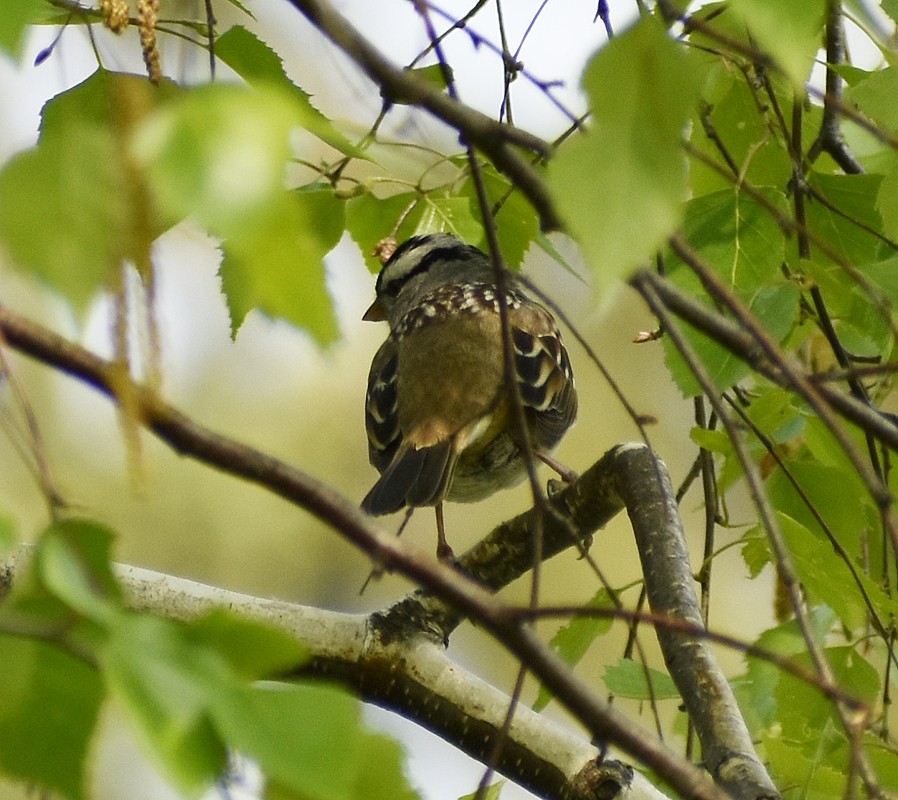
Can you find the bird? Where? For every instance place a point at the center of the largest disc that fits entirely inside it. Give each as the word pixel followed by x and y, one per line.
pixel 438 414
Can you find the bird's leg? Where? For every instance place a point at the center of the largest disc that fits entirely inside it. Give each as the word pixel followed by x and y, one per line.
pixel 565 473
pixel 444 552
pixel 377 570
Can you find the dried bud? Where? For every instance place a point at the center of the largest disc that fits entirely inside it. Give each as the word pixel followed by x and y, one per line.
pixel 385 248
pixel 115 14
pixel 147 17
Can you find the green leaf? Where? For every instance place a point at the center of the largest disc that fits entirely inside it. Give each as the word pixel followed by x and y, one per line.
pixel 61 212
pixel 276 264
pixel 74 562
pixel 791 33
pixel 48 710
pixel 636 681
pixel 370 219
pixel 167 684
pixel 776 308
pixel 9 536
pixel 454 214
pixel 756 690
pixel 874 97
pixel 432 74
pixel 70 209
pixel 252 649
pixel 621 186
pixel 219 153
pixel 737 236
pixel 258 65
pixel 847 217
pixel 15 19
pixel 573 639
pixel 492 792
pixel 891 8
pixel 516 223
pixel 827 578
pixel 309 739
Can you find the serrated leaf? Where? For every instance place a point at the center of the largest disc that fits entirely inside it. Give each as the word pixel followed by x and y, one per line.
pixel 827 578
pixel 276 265
pixel 255 62
pixel 574 638
pixel 756 552
pixel 775 306
pixel 636 681
pixel 48 710
pixel 737 236
pixel 621 186
pixel 71 210
pixel 790 32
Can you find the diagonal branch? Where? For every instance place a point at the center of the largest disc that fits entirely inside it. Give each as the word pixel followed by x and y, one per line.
pixel 187 437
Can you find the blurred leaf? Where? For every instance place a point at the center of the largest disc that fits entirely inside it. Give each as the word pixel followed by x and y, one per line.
pixel 48 710
pixel 219 153
pixel 74 562
pixel 381 773
pixel 790 32
pixel 817 777
pixel 258 64
pixel 167 685
pixel 15 19
pixel 573 639
pixel 9 535
pixel 633 680
pixel 621 185
pixel 891 8
pixel 309 739
pixel 277 264
pixel 62 212
pixel 253 650
pixel 73 208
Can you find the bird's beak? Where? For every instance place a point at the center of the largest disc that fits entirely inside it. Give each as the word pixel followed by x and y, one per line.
pixel 375 312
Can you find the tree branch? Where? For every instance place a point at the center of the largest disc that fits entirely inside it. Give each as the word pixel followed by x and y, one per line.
pixel 494 139
pixel 187 437
pixel 412 677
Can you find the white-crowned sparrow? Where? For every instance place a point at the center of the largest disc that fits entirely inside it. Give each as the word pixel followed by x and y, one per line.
pixel 437 412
